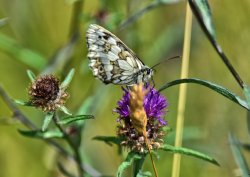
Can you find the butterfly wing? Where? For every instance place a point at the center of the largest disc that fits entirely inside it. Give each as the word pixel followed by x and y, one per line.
pixel 110 59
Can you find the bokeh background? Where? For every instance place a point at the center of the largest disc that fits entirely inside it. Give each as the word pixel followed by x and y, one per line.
pixel 36 31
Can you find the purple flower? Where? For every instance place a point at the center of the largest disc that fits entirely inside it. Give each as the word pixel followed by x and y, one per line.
pixel 154 104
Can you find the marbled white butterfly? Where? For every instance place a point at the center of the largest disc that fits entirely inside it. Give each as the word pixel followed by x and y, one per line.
pixel 112 61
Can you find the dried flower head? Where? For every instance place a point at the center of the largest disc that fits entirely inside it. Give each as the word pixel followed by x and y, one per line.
pixel 141 112
pixel 45 93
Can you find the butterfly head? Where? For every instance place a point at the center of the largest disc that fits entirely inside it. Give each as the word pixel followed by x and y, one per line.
pixel 147 74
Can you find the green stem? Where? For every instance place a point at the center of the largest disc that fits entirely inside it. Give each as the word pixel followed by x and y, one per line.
pixel 77 10
pixel 17 114
pixel 137 165
pixel 72 145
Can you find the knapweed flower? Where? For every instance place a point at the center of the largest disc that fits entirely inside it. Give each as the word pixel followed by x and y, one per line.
pixel 154 105
pixel 45 93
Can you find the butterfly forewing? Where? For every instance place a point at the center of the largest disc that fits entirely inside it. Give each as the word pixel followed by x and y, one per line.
pixel 111 60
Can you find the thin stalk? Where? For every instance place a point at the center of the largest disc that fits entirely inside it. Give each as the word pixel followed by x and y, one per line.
pixel 75 22
pixel 151 158
pixel 17 114
pixel 183 91
pixel 72 145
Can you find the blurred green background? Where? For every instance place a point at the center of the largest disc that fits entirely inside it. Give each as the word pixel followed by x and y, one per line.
pixel 37 29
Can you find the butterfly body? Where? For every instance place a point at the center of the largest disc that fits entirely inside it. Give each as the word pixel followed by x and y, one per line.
pixel 112 61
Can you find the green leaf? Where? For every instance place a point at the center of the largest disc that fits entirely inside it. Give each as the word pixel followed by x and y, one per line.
pixel 204 13
pixel 65 110
pixel 238 156
pixel 68 79
pixel 41 134
pixel 190 152
pixel 137 165
pixel 31 75
pixel 47 120
pixel 144 174
pixel 109 139
pixel 131 157
pixel 168 2
pixel 16 51
pixel 71 119
pixel 219 89
pixel 23 103
pixel 246 91
pixel 3 21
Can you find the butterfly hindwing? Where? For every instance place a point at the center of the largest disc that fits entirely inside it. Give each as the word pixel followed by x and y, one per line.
pixel 111 60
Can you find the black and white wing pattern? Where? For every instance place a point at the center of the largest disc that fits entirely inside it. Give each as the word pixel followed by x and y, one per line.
pixel 112 61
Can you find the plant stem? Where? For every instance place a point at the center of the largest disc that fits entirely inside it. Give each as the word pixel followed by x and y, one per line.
pixel 17 114
pixel 182 92
pixel 72 145
pixel 137 165
pixel 151 157
pixel 74 24
pixel 216 46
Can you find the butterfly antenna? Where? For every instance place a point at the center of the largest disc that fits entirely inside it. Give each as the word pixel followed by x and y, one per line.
pixel 165 61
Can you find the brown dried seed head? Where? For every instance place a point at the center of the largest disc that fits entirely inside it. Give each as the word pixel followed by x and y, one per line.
pixel 45 93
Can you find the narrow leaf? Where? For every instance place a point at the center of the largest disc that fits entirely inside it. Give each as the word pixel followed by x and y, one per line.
pixel 16 51
pixel 23 103
pixel 238 156
pixel 127 162
pixel 108 139
pixel 190 152
pixel 47 120
pixel 65 110
pixel 246 90
pixel 248 121
pixel 3 21
pixel 31 75
pixel 204 13
pixel 41 134
pixel 137 165
pixel 144 174
pixel 71 119
pixel 68 79
pixel 170 1
pixel 219 89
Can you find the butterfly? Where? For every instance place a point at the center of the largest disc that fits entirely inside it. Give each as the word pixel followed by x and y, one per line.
pixel 112 61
